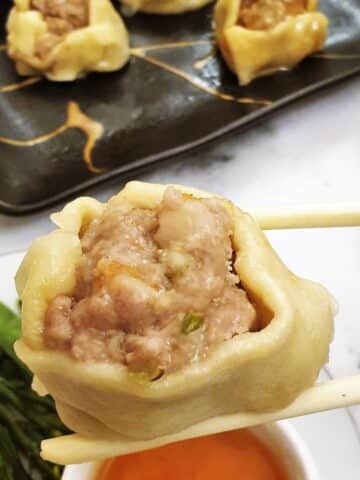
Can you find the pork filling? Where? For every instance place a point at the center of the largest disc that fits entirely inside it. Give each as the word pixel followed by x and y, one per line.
pixel 266 14
pixel 156 289
pixel 62 17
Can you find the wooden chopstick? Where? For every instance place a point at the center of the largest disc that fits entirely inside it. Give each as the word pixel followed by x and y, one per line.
pixel 308 216
pixel 328 395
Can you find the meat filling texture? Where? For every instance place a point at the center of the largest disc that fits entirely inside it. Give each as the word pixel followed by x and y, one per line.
pixel 156 289
pixel 62 17
pixel 266 14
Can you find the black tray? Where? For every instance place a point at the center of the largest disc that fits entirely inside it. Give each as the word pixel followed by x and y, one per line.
pixel 167 100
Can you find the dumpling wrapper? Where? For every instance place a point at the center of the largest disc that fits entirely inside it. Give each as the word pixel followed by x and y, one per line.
pixel 102 46
pixel 251 373
pixel 165 7
pixel 252 53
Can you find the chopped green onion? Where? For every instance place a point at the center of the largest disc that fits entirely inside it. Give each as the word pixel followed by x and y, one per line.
pixel 191 322
pixel 146 377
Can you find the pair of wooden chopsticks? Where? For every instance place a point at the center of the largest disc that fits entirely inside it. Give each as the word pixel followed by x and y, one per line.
pixel 328 395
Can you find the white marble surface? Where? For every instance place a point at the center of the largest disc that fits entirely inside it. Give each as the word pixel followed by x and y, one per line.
pixel 309 152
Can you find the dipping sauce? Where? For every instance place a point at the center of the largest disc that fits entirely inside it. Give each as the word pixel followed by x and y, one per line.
pixel 237 455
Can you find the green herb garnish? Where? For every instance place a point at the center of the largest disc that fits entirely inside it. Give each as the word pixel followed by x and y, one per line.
pixel 191 322
pixel 25 417
pixel 146 377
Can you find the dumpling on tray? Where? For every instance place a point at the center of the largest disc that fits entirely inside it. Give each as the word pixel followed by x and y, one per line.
pixel 65 39
pixel 258 37
pixel 164 307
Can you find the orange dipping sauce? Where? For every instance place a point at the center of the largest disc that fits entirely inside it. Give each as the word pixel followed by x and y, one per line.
pixel 237 455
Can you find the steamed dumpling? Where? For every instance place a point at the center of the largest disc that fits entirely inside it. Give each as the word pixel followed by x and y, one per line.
pixel 65 39
pixel 258 37
pixel 164 307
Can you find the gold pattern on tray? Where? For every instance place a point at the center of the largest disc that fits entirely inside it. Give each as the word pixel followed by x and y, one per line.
pixel 200 84
pixel 75 118
pixel 336 56
pixel 202 62
pixel 141 52
pixel 93 130
pixel 11 87
pixel 160 46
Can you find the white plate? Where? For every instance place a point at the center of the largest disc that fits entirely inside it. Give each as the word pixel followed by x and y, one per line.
pixel 332 437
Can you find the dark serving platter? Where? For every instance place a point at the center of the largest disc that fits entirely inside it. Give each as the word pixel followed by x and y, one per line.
pixel 175 94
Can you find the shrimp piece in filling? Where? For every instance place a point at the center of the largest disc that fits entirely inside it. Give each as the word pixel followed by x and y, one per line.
pixel 156 289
